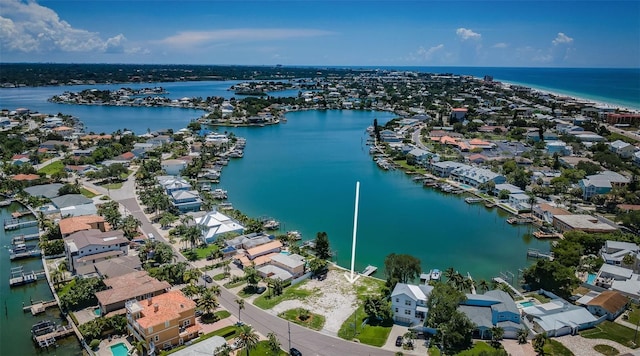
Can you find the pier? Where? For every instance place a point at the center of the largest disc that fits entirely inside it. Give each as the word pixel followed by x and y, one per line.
pixel 19 277
pixel 39 307
pixel 369 270
pixel 21 239
pixel 534 253
pixel 502 281
pixel 13 224
pixel 49 339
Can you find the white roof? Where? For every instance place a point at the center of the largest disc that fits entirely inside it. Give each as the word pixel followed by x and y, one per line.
pixel 217 223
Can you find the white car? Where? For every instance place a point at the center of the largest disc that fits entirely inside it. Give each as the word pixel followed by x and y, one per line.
pixel 151 237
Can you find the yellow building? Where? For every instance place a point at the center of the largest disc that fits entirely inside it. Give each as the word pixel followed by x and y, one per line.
pixel 163 321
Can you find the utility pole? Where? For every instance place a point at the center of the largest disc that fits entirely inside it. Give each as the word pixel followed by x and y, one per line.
pixel 289 327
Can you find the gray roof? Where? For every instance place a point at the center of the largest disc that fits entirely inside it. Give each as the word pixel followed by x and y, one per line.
pixel 70 200
pixel 79 210
pixel 44 190
pixel 481 316
pixel 506 302
pixel 204 347
pixel 118 266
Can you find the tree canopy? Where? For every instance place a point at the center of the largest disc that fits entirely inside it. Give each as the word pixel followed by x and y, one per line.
pixel 322 246
pixel 401 269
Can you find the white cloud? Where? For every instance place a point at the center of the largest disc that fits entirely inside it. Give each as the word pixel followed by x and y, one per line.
pixel 500 45
pixel 562 39
pixel 29 27
pixel 428 53
pixel 466 34
pixel 193 38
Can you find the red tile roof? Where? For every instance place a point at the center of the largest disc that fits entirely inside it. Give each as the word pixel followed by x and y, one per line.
pixel 26 177
pixel 169 306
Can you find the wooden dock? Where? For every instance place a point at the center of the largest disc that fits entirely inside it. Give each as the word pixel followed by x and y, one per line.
pixel 19 277
pixel 49 339
pixel 39 307
pixel 369 270
pixel 20 239
pixel 13 224
pixel 534 253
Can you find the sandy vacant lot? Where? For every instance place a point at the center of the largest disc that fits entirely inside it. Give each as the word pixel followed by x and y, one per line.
pixel 334 298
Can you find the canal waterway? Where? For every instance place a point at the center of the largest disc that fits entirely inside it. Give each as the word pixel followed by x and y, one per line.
pixel 15 327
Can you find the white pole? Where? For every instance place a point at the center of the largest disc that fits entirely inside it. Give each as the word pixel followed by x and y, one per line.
pixel 355 230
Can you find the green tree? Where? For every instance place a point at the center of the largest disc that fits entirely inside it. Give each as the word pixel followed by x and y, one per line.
pixel 538 343
pixel 240 303
pixel 208 302
pixel 522 336
pixel 247 338
pixel 322 246
pixel 251 276
pixel 274 343
pixel 551 276
pixel 496 335
pixel 377 306
pixel 401 269
pixel 317 265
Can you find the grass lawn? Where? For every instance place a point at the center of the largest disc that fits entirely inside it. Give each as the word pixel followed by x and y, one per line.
pixel 219 277
pixel 606 350
pixel 314 321
pixel 262 349
pixel 374 335
pixel 234 284
pixel 541 298
pixel 612 331
pixel 407 167
pixel 477 348
pixel 222 314
pixel 294 292
pixel 203 252
pixel 52 168
pixel 553 347
pixel 87 193
pixel 113 185
pixel 634 314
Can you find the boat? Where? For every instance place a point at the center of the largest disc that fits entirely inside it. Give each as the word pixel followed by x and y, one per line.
pixel 519 220
pixel 435 275
pixel 295 235
pixel 225 206
pixel 489 204
pixel 43 327
pixel 219 194
pixel 22 251
pixel 271 224
pixel 5 202
pixel 472 200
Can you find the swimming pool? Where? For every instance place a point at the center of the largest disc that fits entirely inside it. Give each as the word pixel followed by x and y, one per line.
pixel 591 278
pixel 119 349
pixel 528 303
pixel 96 312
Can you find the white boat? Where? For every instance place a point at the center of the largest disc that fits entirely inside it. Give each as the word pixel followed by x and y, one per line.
pixel 271 225
pixel 219 193
pixel 5 202
pixel 435 275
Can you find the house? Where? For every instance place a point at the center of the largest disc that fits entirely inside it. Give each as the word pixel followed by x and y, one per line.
pixel 419 157
pixel 136 285
pixel 72 225
pixel 636 158
pixel 477 158
pixel 520 201
pixel 444 169
pixel 601 183
pixel 64 131
pixel 409 303
pixel 28 178
pixel 215 224
pixel 475 176
pixel 586 223
pixel 613 252
pixel 90 246
pixel 493 308
pixel 558 317
pixel 264 249
pixel 113 267
pixel 294 263
pixel 546 212
pixel 44 190
pixel 53 145
pixel 172 183
pixel 620 279
pixel 622 149
pixel 558 147
pixel 609 303
pixel 173 166
pixel 512 189
pixel 19 160
pixel 186 201
pixel 458 114
pixel 389 136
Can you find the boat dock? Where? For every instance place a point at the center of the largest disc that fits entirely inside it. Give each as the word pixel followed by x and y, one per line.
pixel 369 270
pixel 19 277
pixel 534 253
pixel 13 224
pixel 49 339
pixel 17 214
pixel 502 281
pixel 473 200
pixel 21 239
pixel 39 307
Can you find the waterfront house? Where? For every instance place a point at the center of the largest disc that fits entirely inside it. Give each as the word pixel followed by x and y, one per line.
pixel 72 225
pixel 546 212
pixel 389 136
pixel 90 246
pixel 136 285
pixel 293 263
pixel 173 183
pixel 512 189
pixel 113 267
pixel 215 224
pixel 609 303
pixel 613 252
pixel 444 169
pixel 586 223
pixel 173 166
pixel 601 183
pixel 44 190
pixel 620 279
pixel 409 303
pixel 622 149
pixel 520 201
pixel 186 201
pixel 419 157
pixel 162 322
pixel 493 308
pixel 558 317
pixel 264 249
pixel 475 176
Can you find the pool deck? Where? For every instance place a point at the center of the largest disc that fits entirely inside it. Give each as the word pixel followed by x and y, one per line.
pixel 105 345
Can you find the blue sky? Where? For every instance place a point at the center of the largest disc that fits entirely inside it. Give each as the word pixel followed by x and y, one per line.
pixel 332 33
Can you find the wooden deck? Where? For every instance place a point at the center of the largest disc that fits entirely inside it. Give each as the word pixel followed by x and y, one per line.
pixel 49 339
pixel 39 307
pixel 369 270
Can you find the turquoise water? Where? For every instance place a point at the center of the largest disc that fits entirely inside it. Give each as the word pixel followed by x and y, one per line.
pixel 119 349
pixel 97 312
pixel 527 304
pixel 591 278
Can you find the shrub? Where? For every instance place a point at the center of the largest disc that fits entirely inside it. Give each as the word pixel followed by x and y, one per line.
pixel 94 344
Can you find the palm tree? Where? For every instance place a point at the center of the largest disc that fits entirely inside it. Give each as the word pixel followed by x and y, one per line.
pixel 449 273
pixel 274 343
pixel 226 269
pixel 538 343
pixel 139 347
pixel 522 336
pixel 240 302
pixel 208 302
pixel 191 275
pixel 483 285
pixel 247 338
pixel 215 290
pixel 56 277
pixel 223 350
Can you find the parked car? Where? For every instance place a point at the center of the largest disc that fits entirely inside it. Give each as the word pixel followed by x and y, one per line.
pixel 208 278
pixel 399 341
pixel 260 290
pixel 294 352
pixel 151 237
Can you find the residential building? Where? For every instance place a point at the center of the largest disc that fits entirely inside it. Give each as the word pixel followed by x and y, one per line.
pixel 546 212
pixel 409 303
pixel 493 308
pixel 623 118
pixel 520 201
pixel 294 263
pixel 71 225
pixel 136 285
pixel 162 321
pixel 68 200
pixel 512 189
pixel 186 201
pixel 44 190
pixel 601 183
pixel 216 224
pixel 419 157
pixel 620 279
pixel 113 267
pixel 264 249
pixel 636 158
pixel 474 176
pixel 613 252
pixel 458 114
pixel 609 303
pixel 444 169
pixel 90 246
pixel 173 183
pixel 173 166
pixel 586 223
pixel 622 149
pixel 558 147
pixel 558 317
